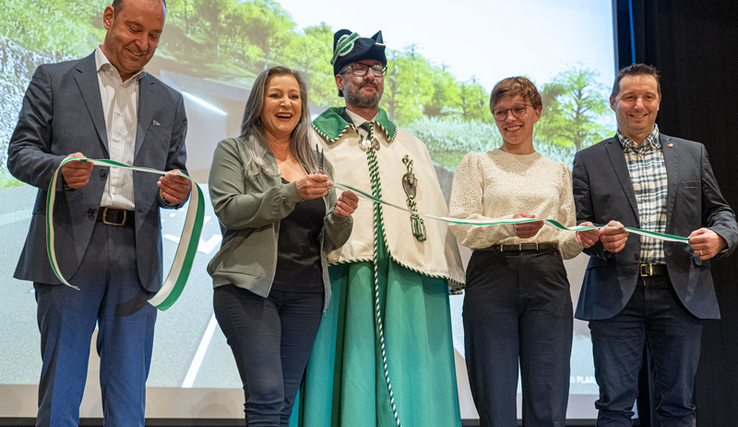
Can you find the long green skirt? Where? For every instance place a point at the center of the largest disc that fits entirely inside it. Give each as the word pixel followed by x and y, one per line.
pixel 345 382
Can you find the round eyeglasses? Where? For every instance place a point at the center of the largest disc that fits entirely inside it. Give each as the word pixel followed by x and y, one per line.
pixel 359 69
pixel 518 111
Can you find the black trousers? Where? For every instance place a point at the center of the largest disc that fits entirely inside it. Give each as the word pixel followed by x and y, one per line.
pixel 518 307
pixel 271 339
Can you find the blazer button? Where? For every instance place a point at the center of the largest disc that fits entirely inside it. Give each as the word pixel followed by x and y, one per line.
pixel 90 212
pixel 637 256
pixel 103 172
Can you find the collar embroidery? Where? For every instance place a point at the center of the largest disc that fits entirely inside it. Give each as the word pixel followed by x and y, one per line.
pixel 332 127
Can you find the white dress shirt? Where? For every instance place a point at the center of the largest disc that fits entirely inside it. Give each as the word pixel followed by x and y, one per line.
pixel 120 107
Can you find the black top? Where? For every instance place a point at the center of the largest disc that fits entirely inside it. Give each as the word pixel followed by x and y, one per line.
pixel 298 248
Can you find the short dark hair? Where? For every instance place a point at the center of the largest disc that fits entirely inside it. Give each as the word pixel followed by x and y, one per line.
pixel 514 86
pixel 118 4
pixel 635 70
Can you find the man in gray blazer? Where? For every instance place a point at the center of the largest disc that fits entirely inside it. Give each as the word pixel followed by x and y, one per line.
pixel 641 292
pixel 106 220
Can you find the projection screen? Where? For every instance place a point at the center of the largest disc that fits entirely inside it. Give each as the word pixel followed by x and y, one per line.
pixel 444 59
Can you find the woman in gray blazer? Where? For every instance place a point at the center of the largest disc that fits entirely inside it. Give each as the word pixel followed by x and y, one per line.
pixel 279 219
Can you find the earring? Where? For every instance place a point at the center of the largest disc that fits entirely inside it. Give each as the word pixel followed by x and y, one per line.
pixel 258 121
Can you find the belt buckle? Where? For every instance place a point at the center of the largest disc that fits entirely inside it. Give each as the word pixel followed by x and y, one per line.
pixel 649 270
pixel 117 224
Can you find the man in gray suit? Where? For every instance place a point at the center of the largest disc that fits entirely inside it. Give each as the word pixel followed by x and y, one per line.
pixel 641 292
pixel 106 220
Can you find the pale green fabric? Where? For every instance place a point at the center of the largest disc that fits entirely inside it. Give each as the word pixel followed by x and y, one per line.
pixel 344 383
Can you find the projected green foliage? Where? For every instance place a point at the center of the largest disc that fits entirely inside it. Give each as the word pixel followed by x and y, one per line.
pixel 572 106
pixel 448 139
pixel 66 27
pixel 445 96
pixel 234 40
pixel 307 53
pixel 407 86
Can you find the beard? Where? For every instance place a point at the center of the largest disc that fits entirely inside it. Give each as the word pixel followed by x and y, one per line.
pixel 354 96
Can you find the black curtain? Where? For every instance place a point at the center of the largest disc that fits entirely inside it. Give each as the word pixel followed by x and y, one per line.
pixel 694 44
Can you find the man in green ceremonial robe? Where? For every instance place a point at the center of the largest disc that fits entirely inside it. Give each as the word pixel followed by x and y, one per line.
pixel 384 353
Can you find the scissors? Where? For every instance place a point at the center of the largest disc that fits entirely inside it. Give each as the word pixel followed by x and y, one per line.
pixel 318 148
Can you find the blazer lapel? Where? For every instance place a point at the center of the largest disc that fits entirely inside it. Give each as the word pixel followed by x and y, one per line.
pixel 617 160
pixel 147 103
pixel 671 161
pixel 89 87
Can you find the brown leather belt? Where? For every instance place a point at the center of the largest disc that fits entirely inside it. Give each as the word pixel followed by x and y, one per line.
pixel 648 270
pixel 520 247
pixel 114 216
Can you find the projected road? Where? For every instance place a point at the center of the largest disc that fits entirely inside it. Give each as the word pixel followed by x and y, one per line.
pixel 189 348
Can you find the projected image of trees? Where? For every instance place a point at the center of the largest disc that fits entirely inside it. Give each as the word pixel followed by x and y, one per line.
pixel 232 41
pixel 212 50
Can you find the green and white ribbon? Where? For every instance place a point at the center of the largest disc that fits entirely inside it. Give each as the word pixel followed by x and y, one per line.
pixel 344 46
pixel 503 221
pixel 176 280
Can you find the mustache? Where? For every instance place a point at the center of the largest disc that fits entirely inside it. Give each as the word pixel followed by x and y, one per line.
pixel 369 84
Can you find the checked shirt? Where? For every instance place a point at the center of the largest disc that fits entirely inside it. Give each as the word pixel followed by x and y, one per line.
pixel 648 175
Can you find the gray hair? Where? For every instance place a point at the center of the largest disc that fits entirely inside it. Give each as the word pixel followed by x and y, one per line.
pixel 252 130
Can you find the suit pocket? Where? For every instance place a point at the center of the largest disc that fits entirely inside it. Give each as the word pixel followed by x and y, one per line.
pixel 689 193
pixel 155 146
pixel 161 132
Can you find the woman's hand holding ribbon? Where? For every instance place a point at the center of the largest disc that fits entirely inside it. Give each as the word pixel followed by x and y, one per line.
pixel 587 238
pixel 346 204
pixel 526 230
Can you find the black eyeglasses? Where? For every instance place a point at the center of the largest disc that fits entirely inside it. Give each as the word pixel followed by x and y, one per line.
pixel 518 111
pixel 361 69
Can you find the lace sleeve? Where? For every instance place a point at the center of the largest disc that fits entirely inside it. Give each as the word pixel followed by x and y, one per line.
pixel 467 202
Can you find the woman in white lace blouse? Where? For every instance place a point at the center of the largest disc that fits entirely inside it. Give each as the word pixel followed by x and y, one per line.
pixel 517 304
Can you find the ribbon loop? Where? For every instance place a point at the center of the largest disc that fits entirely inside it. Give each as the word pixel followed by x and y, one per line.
pixel 176 279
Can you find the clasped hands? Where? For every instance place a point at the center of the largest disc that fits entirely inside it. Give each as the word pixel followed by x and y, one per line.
pixel 172 187
pixel 527 230
pixel 704 242
pixel 316 185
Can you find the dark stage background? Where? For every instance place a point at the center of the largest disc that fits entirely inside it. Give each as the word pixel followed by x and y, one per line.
pixel 694 44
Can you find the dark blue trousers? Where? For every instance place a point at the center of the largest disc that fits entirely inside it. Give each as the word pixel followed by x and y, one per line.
pixel 653 318
pixel 518 307
pixel 271 339
pixel 112 297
